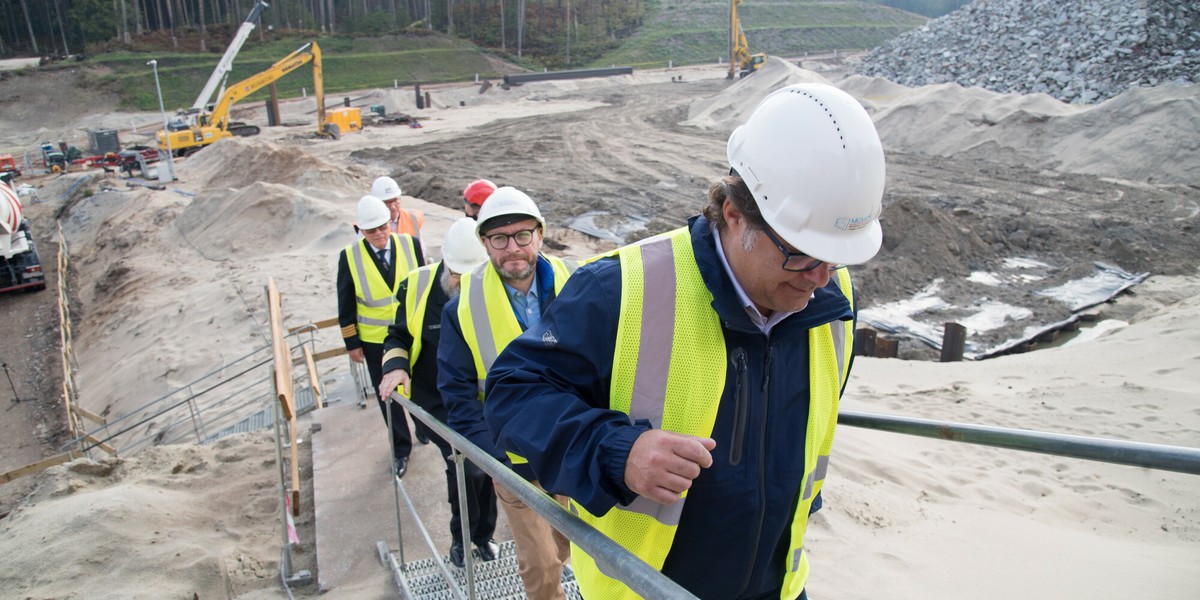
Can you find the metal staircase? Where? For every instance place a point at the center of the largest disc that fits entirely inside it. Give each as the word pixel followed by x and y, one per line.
pixel 496 580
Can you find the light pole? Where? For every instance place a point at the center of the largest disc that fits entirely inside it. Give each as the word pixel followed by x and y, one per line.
pixel 166 132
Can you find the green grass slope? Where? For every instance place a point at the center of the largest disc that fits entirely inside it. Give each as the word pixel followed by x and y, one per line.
pixel 696 31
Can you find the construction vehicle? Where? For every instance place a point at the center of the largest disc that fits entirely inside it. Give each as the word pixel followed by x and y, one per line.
pixel 181 140
pixel 8 168
pixel 20 267
pixel 741 62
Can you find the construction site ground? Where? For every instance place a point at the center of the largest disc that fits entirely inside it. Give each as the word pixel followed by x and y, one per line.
pixel 166 284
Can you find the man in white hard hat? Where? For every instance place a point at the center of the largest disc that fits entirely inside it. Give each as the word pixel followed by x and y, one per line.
pixel 410 368
pixel 403 220
pixel 499 300
pixel 370 271
pixel 683 391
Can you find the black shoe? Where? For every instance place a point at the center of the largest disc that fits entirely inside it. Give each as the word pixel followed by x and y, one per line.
pixel 456 554
pixel 401 466
pixel 487 552
pixel 422 438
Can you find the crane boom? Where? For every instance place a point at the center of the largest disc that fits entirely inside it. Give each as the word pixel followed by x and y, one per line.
pixel 307 52
pixel 222 71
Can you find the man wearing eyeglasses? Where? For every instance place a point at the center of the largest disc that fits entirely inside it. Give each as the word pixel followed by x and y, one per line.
pixel 507 295
pixel 369 273
pixel 410 368
pixel 683 391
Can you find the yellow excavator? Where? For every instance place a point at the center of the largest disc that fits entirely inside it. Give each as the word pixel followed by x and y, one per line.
pixel 185 139
pixel 741 62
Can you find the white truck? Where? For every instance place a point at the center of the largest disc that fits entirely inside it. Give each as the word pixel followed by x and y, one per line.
pixel 20 267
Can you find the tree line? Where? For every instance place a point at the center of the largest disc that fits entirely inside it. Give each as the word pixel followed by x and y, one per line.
pixel 540 28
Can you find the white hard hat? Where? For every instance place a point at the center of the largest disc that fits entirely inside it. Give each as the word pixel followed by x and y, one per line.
pixel 371 213
pixel 385 188
pixel 507 205
pixel 461 250
pixel 813 161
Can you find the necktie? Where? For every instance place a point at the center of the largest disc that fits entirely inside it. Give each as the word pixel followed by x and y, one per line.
pixel 383 261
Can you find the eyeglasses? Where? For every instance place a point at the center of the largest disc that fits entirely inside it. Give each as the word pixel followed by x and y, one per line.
pixel 499 241
pixel 798 262
pixel 383 227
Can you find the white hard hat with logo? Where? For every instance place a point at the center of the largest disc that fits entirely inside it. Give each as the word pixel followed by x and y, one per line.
pixel 813 161
pixel 461 250
pixel 507 205
pixel 371 213
pixel 385 188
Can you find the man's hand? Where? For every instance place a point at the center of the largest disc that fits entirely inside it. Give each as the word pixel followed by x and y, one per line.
pixel 356 355
pixel 392 380
pixel 662 464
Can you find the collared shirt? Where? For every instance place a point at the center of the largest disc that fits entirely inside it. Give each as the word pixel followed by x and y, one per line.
pixel 527 306
pixel 764 323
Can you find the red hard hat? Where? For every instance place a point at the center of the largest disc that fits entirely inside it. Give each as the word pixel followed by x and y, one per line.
pixel 478 191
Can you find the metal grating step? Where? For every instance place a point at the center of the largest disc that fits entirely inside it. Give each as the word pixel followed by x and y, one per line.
pixel 495 580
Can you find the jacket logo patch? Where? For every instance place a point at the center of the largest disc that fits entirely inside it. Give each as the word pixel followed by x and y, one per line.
pixel 549 340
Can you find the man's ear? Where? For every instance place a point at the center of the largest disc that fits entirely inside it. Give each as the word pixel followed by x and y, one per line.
pixel 733 217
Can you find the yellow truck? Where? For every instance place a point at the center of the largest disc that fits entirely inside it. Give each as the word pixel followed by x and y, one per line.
pixel 183 138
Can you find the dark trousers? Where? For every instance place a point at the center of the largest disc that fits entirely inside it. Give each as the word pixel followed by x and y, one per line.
pixel 481 496
pixel 401 436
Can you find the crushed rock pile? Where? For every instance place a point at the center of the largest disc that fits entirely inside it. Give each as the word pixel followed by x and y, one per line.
pixel 1075 50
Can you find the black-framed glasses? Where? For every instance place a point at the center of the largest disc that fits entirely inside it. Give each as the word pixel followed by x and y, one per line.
pixel 372 230
pixel 499 241
pixel 798 262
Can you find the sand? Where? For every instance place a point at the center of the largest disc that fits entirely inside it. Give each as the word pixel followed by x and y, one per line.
pixel 167 285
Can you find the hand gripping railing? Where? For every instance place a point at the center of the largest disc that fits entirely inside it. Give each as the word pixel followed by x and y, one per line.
pixel 609 555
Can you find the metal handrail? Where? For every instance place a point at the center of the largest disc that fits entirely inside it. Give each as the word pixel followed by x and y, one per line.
pixel 611 557
pixel 1154 456
pixel 88 445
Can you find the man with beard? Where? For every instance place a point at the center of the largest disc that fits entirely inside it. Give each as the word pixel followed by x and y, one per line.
pixel 410 368
pixel 498 301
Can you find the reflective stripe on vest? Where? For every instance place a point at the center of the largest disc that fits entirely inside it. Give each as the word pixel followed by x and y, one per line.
pixel 376 300
pixel 669 338
pixel 416 299
pixel 487 318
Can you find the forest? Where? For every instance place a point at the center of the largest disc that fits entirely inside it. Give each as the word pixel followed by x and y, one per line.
pixel 61 28
pixel 584 28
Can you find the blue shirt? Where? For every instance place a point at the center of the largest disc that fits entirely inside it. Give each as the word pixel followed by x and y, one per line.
pixel 526 306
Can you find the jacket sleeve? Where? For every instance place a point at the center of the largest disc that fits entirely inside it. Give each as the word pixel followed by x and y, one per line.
pixel 548 394
pixel 419 250
pixel 399 341
pixel 347 304
pixel 458 384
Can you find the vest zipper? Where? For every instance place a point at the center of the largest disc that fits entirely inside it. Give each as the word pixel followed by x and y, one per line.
pixel 741 406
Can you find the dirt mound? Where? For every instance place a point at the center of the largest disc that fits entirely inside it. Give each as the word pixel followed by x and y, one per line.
pixel 262 218
pixel 238 163
pixel 1130 136
pixel 728 109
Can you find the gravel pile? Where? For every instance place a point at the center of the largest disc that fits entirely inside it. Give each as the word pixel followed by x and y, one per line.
pixel 1075 50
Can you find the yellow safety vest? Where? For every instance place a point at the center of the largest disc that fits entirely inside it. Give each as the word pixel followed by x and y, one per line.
pixel 416 299
pixel 669 366
pixel 487 318
pixel 376 300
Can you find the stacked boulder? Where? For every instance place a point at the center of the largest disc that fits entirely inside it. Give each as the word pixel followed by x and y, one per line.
pixel 1079 51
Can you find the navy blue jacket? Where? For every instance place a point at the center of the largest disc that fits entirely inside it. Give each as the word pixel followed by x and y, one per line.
pixel 458 382
pixel 547 400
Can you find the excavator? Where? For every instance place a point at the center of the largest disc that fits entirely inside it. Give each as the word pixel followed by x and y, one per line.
pixel 182 139
pixel 741 62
